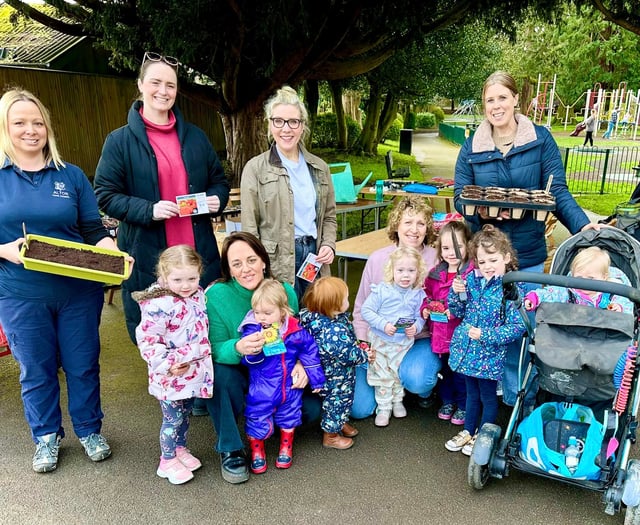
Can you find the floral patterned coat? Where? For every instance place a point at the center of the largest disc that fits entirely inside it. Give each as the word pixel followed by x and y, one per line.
pixel 175 330
pixel 500 322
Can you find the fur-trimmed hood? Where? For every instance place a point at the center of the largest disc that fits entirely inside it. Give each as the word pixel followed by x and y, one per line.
pixel 483 140
pixel 153 292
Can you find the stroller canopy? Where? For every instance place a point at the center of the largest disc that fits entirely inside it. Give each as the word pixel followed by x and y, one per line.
pixel 623 249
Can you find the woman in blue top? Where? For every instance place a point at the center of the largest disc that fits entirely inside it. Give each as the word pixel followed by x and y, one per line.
pixel 509 151
pixel 51 320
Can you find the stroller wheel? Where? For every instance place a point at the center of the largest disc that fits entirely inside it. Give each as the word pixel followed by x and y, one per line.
pixel 631 493
pixel 486 444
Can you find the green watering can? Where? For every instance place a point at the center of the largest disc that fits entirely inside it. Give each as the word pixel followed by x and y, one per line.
pixel 345 190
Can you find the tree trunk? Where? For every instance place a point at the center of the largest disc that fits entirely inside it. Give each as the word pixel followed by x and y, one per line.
pixel 387 117
pixel 366 141
pixel 246 136
pixel 312 98
pixel 338 108
pixel 351 104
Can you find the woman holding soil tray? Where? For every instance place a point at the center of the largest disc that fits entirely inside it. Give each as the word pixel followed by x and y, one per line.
pixel 51 320
pixel 144 166
pixel 509 151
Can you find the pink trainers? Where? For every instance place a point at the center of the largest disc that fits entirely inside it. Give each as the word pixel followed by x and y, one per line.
pixel 188 459
pixel 174 471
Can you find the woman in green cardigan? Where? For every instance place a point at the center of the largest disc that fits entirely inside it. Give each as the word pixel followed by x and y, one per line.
pixel 244 264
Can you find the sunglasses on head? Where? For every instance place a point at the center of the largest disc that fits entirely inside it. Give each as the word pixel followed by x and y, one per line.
pixel 157 57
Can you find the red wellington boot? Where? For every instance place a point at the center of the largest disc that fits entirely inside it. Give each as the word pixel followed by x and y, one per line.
pixel 258 456
pixel 285 455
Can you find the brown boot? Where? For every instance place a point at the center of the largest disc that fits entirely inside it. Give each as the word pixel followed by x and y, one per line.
pixel 335 440
pixel 349 431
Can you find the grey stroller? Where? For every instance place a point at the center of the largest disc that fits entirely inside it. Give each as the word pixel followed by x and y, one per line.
pixel 574 349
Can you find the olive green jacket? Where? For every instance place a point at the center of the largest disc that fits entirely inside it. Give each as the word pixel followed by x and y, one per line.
pixel 267 208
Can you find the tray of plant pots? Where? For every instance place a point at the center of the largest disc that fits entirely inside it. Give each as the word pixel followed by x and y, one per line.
pixel 74 259
pixel 516 201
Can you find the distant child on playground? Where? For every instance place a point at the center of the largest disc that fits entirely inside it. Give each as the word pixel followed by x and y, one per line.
pixel 271 398
pixel 392 311
pixel 589 263
pixel 327 319
pixel 173 338
pixel 613 118
pixel 590 127
pixel 489 324
pixel 435 309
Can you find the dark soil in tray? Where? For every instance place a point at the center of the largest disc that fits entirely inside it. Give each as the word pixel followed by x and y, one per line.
pixel 102 262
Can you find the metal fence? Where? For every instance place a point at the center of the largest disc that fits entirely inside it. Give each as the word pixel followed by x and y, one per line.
pixel 602 170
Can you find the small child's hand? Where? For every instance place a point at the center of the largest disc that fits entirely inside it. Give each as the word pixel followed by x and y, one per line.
pixel 447 312
pixel 411 330
pixel 528 305
pixel 179 369
pixel 458 285
pixel 372 354
pixel 475 333
pixel 425 313
pixel 316 390
pixel 390 329
pixel 614 307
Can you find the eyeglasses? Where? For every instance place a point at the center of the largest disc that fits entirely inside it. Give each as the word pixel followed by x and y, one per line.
pixel 294 123
pixel 157 57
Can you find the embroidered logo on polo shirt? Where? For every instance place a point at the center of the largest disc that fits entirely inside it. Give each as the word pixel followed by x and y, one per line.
pixel 59 190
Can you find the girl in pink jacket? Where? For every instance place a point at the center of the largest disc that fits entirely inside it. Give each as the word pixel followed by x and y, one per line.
pixel 173 338
pixel 440 322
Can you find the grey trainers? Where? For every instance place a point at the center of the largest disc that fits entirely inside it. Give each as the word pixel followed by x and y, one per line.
pixel 46 457
pixel 96 447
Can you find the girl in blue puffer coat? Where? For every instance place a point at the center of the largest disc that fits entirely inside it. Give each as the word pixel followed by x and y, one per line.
pixel 489 323
pixel 271 398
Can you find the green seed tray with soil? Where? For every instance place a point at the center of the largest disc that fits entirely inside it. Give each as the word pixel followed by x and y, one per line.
pixel 74 259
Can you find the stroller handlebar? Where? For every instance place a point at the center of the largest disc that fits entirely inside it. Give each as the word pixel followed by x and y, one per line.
pixel 633 294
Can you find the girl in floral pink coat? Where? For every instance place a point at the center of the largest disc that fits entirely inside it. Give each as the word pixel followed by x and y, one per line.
pixel 173 338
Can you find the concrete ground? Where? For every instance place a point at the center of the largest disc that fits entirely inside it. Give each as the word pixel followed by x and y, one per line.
pixel 401 474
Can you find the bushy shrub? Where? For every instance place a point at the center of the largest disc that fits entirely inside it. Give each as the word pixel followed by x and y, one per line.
pixel 325 132
pixel 393 133
pixel 410 120
pixel 353 131
pixel 438 113
pixel 425 120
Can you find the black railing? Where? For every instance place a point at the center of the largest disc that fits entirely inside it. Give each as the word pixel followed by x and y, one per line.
pixel 602 170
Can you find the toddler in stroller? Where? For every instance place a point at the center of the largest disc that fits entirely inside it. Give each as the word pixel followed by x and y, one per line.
pixel 575 349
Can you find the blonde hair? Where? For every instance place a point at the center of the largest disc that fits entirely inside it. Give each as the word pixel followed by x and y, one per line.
pixel 413 205
pixel 7 151
pixel 493 240
pixel 270 291
pixel 593 256
pixel 400 253
pixel 453 228
pixel 286 95
pixel 178 256
pixel 326 295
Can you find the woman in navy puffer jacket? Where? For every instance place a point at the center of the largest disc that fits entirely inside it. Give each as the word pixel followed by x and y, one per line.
pixel 509 151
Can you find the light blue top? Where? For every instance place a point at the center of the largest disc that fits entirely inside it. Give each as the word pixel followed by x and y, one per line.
pixel 304 196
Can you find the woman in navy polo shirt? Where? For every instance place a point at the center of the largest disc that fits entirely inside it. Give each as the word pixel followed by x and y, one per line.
pixel 51 321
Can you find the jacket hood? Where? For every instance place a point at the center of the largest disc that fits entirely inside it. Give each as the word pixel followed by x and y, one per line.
pixel 153 292
pixel 483 141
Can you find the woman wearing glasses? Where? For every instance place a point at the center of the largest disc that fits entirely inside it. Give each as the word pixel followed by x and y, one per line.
pixel 287 195
pixel 144 166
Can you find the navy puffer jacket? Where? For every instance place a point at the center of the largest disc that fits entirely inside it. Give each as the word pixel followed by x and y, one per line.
pixel 533 158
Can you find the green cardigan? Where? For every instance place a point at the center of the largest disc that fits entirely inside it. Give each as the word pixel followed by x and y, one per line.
pixel 227 304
